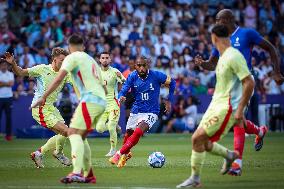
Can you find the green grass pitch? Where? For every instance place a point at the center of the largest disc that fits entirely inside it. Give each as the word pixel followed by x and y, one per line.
pixel 264 169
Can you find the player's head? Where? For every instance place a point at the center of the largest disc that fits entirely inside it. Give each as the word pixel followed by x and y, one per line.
pixel 3 65
pixel 226 17
pixel 219 34
pixel 142 66
pixel 76 43
pixel 131 63
pixel 105 59
pixel 57 56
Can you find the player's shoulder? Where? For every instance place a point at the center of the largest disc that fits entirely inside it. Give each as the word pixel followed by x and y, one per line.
pixel 133 74
pixel 114 70
pixel 247 31
pixel 155 73
pixel 234 54
pixel 41 66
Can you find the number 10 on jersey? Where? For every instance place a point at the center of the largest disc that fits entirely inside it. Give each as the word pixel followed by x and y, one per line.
pixel 145 96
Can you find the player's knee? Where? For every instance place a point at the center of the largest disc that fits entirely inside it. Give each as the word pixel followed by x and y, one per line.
pixel 100 128
pixel 129 132
pixel 143 126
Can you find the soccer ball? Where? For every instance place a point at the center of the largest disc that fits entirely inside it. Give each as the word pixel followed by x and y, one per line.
pixel 156 160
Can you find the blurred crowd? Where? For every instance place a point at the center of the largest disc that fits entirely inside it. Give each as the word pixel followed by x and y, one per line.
pixel 171 33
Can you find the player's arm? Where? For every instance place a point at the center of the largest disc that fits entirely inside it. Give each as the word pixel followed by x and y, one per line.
pixel 275 57
pixel 171 84
pixel 120 77
pixel 51 88
pixel 9 58
pixel 240 68
pixel 125 88
pixel 209 64
pixel 248 86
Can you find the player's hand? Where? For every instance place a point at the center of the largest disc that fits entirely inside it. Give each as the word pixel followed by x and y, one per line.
pixel 168 107
pixel 278 78
pixel 118 74
pixel 198 60
pixel 38 103
pixel 9 58
pixel 122 99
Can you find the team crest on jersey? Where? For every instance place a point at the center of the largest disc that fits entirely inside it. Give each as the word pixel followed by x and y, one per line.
pixel 237 43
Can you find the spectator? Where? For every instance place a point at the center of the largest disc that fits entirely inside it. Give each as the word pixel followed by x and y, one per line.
pixel 250 14
pixel 40 57
pixel 6 97
pixel 165 60
pixel 27 59
pixel 198 88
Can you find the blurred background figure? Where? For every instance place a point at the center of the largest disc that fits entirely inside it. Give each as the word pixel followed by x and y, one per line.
pixel 6 97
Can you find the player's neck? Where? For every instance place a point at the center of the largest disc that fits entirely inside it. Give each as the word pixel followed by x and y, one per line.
pixel 233 28
pixel 54 68
pixel 105 68
pixel 223 46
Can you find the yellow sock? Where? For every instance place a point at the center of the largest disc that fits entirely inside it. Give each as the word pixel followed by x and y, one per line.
pixel 60 141
pixel 77 152
pixel 49 145
pixel 197 160
pixel 112 134
pixel 87 158
pixel 219 150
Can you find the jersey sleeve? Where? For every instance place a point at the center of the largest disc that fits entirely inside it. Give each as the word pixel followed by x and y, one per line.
pixel 215 52
pixel 127 85
pixel 254 37
pixel 69 63
pixel 239 66
pixel 162 78
pixel 68 79
pixel 35 71
pixel 119 79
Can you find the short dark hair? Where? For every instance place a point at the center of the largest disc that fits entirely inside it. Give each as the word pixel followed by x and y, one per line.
pixel 220 30
pixel 104 52
pixel 58 51
pixel 76 39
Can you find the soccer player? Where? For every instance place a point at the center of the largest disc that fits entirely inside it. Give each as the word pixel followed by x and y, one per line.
pixel 109 120
pixel 88 86
pixel 145 84
pixel 243 39
pixel 232 92
pixel 47 115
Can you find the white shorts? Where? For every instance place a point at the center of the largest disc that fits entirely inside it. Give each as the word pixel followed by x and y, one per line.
pixel 135 119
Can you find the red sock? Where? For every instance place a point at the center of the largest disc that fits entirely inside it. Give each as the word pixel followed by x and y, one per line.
pixel 251 128
pixel 239 139
pixel 132 141
pixel 127 135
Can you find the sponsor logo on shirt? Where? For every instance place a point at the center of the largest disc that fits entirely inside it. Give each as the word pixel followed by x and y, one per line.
pixel 237 43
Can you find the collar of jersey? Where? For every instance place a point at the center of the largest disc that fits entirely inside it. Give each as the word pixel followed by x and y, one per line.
pixel 145 77
pixel 235 31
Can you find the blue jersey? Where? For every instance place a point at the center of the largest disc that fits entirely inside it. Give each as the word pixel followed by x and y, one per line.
pixel 243 39
pixel 146 91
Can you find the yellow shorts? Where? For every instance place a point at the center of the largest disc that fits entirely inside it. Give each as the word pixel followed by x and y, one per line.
pixel 86 116
pixel 47 115
pixel 217 121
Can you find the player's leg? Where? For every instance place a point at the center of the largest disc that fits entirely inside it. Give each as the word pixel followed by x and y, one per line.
pixel 62 129
pixel 49 117
pixel 144 122
pixel 87 166
pixel 212 127
pixel 84 116
pixel 251 128
pixel 112 126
